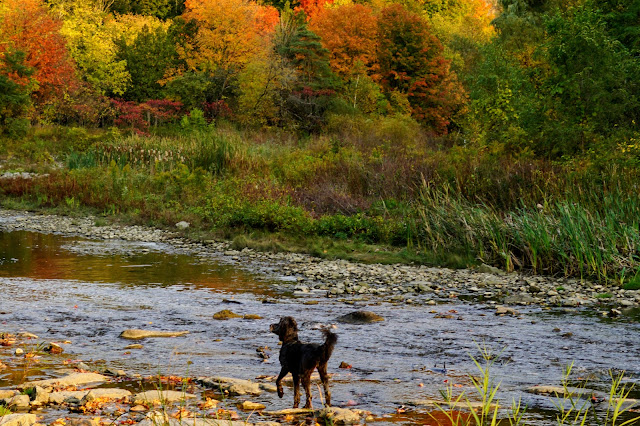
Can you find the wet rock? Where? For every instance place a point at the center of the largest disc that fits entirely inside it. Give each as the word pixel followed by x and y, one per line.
pixel 154 397
pixel 135 334
pixel 19 402
pixel 193 422
pixel 268 387
pixel 251 317
pixel 360 317
pixel 18 351
pixel 53 348
pixel 82 422
pixel 40 396
pixel 340 416
pixel 231 385
pixel 558 391
pixel 519 299
pixel 134 346
pixel 225 314
pixel 251 406
pixel 107 393
pixel 138 409
pixel 20 419
pixel 289 411
pixel 75 379
pixel 503 310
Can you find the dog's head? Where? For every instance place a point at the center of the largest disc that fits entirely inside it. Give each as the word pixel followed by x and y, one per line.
pixel 286 329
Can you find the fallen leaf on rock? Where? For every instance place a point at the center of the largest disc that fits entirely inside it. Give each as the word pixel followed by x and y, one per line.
pixel 208 403
pixel 181 413
pixel 58 422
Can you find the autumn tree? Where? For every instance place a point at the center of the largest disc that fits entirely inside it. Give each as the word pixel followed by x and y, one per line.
pixel 163 9
pixel 350 33
pixel 230 33
pixel 28 26
pixel 412 64
pixel 91 32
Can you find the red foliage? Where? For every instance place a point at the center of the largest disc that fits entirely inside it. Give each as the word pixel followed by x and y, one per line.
pixel 27 25
pixel 216 109
pixel 412 63
pixel 139 116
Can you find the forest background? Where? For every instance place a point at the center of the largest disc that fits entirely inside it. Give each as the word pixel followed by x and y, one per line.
pixel 448 132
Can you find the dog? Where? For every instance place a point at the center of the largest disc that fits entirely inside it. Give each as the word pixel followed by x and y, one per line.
pixel 300 359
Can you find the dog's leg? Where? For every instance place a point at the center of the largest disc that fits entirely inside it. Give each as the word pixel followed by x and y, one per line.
pixel 283 372
pixel 306 383
pixel 324 378
pixel 296 389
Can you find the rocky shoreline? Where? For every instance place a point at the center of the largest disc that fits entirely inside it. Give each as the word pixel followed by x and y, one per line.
pixel 310 276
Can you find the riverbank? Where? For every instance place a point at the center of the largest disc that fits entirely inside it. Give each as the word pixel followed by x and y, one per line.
pixel 305 275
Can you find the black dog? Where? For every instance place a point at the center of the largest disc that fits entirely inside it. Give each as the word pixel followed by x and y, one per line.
pixel 300 359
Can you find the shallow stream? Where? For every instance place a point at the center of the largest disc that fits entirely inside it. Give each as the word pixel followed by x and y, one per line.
pixel 87 292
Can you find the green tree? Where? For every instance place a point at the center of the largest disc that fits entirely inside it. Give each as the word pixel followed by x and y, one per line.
pixel 14 97
pixel 163 9
pixel 148 59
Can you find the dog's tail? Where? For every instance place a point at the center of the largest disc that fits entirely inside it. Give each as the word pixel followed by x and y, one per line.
pixel 326 349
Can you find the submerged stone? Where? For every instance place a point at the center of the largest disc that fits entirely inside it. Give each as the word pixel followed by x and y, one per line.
pixel 360 317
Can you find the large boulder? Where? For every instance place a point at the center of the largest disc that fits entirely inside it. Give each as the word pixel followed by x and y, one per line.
pixel 75 379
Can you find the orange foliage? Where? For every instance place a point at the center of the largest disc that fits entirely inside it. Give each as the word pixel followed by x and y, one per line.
pixel 230 32
pixel 26 25
pixel 266 19
pixel 311 7
pixel 350 33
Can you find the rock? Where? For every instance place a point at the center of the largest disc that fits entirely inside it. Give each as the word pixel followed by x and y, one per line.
pixel 25 335
pixel 182 225
pixel 340 416
pixel 108 393
pixel 40 396
pixel 138 409
pixel 19 402
pixel 503 310
pixel 251 406
pixel 20 419
pixel 53 348
pixel 233 386
pixel 154 397
pixel 19 351
pixel 251 317
pixel 134 346
pixel 225 314
pixel 488 269
pixel 360 317
pixel 75 379
pixel 135 334
pixel 289 411
pixel 519 299
pixel 193 422
pixel 268 387
pixel 4 394
pixel 558 391
pixel 82 422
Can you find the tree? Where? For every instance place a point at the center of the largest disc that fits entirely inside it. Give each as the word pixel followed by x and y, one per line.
pixel 412 63
pixel 350 33
pixel 148 58
pixel 28 26
pixel 14 96
pixel 163 9
pixel 91 33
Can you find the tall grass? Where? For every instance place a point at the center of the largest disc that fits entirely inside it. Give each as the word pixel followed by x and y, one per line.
pixel 563 237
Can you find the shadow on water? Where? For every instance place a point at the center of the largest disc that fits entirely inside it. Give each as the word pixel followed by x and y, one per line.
pixel 87 292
